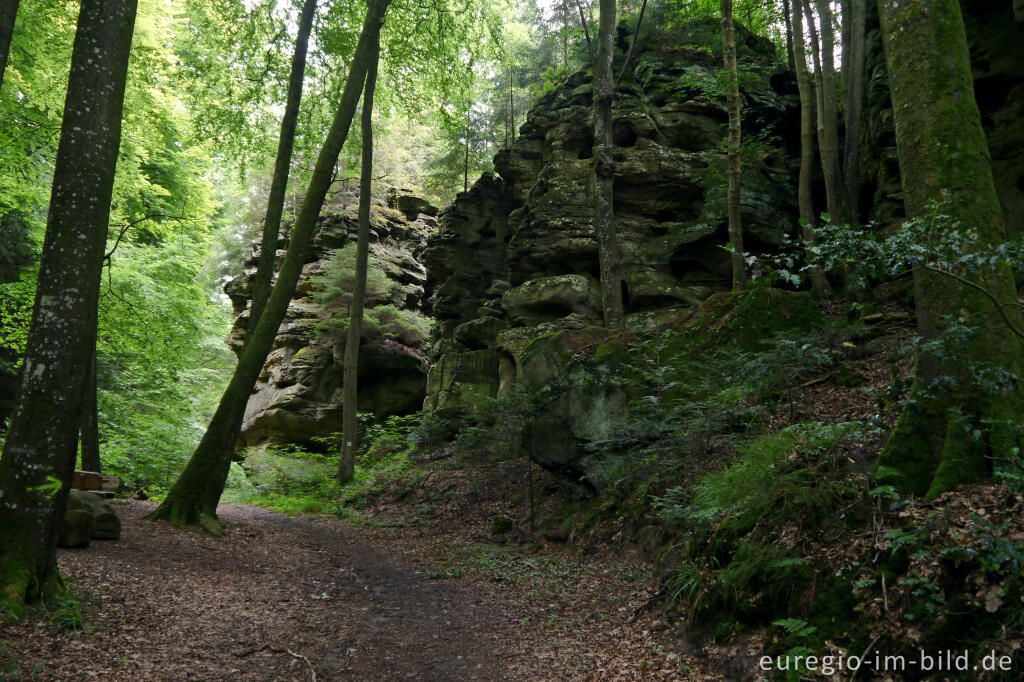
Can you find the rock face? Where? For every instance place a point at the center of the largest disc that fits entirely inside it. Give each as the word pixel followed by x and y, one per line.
pixel 516 257
pixel 298 396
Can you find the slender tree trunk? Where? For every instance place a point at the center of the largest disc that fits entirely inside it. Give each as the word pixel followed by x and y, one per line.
pixel 465 161
pixel 805 198
pixel 350 423
pixel 604 171
pixel 8 13
pixel 819 85
pixel 789 35
pixel 39 455
pixel 952 428
pixel 830 155
pixel 739 270
pixel 89 435
pixel 853 62
pixel 197 491
pixel 511 106
pixel 279 185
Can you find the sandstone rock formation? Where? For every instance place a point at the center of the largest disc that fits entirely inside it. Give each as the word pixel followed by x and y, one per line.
pixel 298 396
pixel 516 257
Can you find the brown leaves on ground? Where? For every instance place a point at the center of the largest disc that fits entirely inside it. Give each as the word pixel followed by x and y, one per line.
pixel 393 600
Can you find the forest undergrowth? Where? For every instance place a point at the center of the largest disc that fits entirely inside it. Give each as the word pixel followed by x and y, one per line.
pixel 745 476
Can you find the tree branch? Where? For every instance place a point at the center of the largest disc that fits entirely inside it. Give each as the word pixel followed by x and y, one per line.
pixel 629 55
pixel 1001 307
pixel 586 30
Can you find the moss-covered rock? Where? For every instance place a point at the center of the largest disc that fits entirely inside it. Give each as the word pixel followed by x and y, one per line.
pixel 748 319
pixel 87 517
pixel 519 246
pixel 298 397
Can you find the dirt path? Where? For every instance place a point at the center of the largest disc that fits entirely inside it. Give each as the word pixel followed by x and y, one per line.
pixel 279 598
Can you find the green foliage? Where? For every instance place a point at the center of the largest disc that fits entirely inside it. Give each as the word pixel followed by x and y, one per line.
pixel 381 319
pixel 728 564
pixel 16 299
pixel 294 479
pixel 161 361
pixel 764 484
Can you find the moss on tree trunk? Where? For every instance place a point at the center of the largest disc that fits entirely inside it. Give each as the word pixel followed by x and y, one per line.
pixel 739 271
pixel 604 171
pixel 952 427
pixel 39 453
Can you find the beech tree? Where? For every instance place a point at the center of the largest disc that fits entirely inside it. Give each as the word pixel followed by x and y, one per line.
pixel 197 491
pixel 739 277
pixel 604 169
pixel 8 13
pixel 350 378
pixel 829 117
pixel 953 425
pixel 805 197
pixel 279 184
pixel 39 455
pixel 854 39
pixel 89 429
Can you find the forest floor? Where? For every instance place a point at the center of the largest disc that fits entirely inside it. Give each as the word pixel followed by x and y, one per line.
pixel 281 597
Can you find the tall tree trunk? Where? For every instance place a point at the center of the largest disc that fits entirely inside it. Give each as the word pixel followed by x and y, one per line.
pixel 948 433
pixel 41 441
pixel 830 159
pixel 789 34
pixel 511 107
pixel 89 434
pixel 853 64
pixel 805 197
pixel 8 13
pixel 604 171
pixel 819 85
pixel 350 423
pixel 465 161
pixel 279 185
pixel 739 272
pixel 197 491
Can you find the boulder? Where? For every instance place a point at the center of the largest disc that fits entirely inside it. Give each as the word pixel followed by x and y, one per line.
pixel 87 517
pixel 550 298
pixel 76 529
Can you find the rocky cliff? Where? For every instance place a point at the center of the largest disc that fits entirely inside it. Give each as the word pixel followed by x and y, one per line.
pixel 516 257
pixel 298 396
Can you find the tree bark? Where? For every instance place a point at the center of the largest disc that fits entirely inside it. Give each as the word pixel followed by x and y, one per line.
pixel 789 34
pixel 197 491
pixel 805 198
pixel 350 395
pixel 853 61
pixel 830 159
pixel 279 184
pixel 39 455
pixel 8 13
pixel 89 433
pixel 739 274
pixel 819 84
pixel 952 428
pixel 604 171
